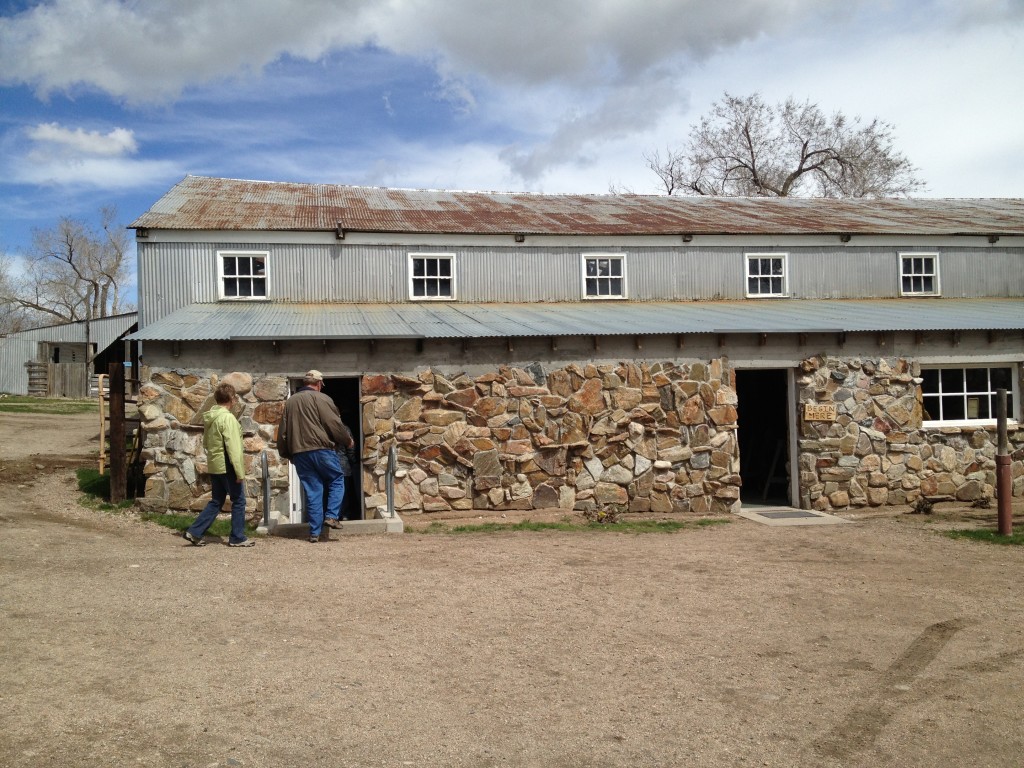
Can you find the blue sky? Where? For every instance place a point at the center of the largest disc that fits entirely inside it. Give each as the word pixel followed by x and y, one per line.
pixel 109 102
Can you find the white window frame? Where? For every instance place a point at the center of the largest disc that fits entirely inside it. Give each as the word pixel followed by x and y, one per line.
pixel 1013 409
pixel 748 258
pixel 449 257
pixel 934 273
pixel 597 257
pixel 221 276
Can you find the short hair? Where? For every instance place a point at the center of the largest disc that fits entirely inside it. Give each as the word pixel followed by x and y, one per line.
pixel 224 393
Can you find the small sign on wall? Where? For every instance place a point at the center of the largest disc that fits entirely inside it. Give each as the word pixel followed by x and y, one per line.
pixel 819 411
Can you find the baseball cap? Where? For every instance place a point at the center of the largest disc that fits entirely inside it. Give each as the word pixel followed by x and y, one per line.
pixel 314 375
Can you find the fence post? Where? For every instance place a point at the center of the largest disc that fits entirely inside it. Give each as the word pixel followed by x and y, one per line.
pixel 1004 490
pixel 118 456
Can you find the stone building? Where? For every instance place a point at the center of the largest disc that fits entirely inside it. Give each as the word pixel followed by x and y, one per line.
pixel 588 352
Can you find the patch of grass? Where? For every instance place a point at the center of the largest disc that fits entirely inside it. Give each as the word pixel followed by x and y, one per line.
pixel 56 406
pixel 622 526
pixel 988 536
pixel 96 490
pixel 221 527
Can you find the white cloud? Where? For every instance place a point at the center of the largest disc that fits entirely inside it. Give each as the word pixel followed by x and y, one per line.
pixel 119 141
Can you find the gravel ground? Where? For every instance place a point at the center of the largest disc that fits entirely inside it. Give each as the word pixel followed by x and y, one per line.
pixel 875 644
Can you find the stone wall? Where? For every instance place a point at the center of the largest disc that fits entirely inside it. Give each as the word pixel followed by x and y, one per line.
pixel 629 437
pixel 637 437
pixel 876 452
pixel 171 408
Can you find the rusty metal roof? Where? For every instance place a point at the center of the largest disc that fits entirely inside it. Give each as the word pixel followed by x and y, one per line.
pixel 203 203
pixel 241 321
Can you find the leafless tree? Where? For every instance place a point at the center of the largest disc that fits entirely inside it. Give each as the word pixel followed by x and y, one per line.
pixel 74 271
pixel 745 147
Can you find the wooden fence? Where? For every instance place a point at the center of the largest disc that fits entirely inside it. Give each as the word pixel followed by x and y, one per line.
pixel 58 380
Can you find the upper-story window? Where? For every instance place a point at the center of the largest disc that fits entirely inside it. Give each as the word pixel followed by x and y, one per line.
pixel 966 393
pixel 766 274
pixel 919 274
pixel 604 276
pixel 432 275
pixel 243 274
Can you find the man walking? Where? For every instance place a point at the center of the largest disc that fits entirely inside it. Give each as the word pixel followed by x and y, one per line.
pixel 310 432
pixel 225 461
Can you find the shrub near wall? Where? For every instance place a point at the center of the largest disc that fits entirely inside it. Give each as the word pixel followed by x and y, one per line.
pixel 633 437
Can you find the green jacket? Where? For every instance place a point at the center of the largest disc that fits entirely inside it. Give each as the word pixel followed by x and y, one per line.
pixel 222 433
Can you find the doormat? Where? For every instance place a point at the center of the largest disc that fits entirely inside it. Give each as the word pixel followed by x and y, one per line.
pixel 788 516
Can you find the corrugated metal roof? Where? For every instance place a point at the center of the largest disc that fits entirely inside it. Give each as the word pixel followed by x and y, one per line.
pixel 103 331
pixel 203 203
pixel 264 321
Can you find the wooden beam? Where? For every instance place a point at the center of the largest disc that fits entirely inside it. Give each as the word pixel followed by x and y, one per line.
pixel 118 456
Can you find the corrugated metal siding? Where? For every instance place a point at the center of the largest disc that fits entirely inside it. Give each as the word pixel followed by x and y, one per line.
pixel 14 353
pixel 466 320
pixel 201 203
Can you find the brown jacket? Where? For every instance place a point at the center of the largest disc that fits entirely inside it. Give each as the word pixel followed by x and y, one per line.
pixel 310 422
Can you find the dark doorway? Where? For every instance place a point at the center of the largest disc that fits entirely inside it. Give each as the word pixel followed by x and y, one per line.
pixel 345 394
pixel 763 406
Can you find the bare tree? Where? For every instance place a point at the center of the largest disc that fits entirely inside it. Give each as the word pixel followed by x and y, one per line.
pixel 745 147
pixel 74 271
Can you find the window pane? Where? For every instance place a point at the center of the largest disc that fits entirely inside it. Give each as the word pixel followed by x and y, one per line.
pixel 776 285
pixel 977 379
pixel 244 286
pixel 431 267
pixel 431 287
pixel 259 287
pixel 591 286
pixel 616 268
pixel 951 380
pixel 591 268
pixel 244 266
pixel 602 267
pixel 953 408
pixel 752 285
pixel 931 409
pixel 259 266
pixel 230 287
pixel 229 265
pixel 418 268
pixel 1001 379
pixel 444 286
pixel 444 267
pixel 930 383
pixel 908 265
pixel 616 287
pixel 765 285
pixel 927 285
pixel 418 288
pixel 776 266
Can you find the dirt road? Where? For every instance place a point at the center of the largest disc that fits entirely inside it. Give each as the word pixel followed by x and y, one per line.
pixel 880 643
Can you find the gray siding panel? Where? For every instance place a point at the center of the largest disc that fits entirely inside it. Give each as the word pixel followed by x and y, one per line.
pixel 14 353
pixel 173 275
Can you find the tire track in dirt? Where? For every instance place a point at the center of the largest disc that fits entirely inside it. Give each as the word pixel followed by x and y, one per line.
pixel 860 729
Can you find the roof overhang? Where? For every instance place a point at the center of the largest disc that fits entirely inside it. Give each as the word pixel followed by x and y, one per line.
pixel 251 321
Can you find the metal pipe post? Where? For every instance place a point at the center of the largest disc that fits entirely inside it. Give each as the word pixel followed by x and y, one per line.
pixel 1004 491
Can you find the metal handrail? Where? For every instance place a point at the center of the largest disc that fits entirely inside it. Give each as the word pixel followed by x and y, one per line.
pixel 389 480
pixel 265 469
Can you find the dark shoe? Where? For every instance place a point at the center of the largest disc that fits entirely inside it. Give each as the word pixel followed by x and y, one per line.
pixel 196 541
pixel 331 522
pixel 242 543
pixel 314 539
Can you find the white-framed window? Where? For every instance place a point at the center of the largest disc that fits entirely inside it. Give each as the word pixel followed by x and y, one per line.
pixel 604 276
pixel 432 276
pixel 766 274
pixel 243 274
pixel 967 394
pixel 919 274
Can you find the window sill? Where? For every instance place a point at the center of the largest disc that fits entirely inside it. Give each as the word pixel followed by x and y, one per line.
pixel 970 425
pixel 244 298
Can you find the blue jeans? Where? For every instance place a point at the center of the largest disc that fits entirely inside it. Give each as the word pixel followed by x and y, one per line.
pixel 317 470
pixel 223 486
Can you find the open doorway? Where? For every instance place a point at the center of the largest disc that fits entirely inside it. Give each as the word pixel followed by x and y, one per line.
pixel 763 407
pixel 344 391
